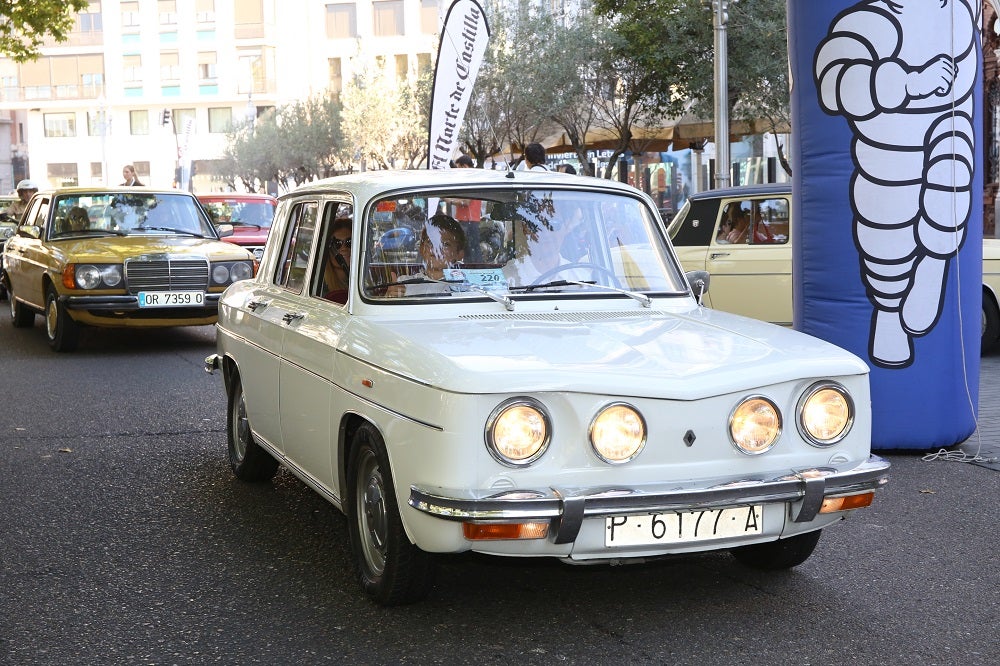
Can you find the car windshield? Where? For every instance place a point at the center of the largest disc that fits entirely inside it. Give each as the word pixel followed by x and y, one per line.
pixel 241 213
pixel 515 243
pixel 128 214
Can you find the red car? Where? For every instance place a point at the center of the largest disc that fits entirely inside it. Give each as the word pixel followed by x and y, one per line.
pixel 250 215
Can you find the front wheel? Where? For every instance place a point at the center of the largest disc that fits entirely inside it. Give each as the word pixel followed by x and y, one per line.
pixel 780 554
pixel 392 570
pixel 62 331
pixel 247 459
pixel 21 316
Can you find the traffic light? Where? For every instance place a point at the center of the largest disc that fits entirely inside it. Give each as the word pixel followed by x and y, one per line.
pixel 165 117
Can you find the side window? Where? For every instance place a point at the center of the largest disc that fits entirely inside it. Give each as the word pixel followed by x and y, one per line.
pixel 770 220
pixel 299 239
pixel 38 212
pixel 338 253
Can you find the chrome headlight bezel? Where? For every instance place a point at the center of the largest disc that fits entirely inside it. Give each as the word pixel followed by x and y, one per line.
pixel 802 407
pixel 518 410
pixel 742 411
pixel 97 276
pixel 224 273
pixel 597 427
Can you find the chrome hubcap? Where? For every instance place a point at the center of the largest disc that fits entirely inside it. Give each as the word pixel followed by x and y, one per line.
pixel 372 513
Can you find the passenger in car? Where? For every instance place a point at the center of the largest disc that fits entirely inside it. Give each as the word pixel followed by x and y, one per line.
pixel 442 246
pixel 539 249
pixel 78 219
pixel 337 261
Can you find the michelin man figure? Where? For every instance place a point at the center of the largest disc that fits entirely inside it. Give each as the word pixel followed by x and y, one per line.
pixel 902 72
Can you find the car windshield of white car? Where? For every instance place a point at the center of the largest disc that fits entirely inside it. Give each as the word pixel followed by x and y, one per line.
pixel 118 214
pixel 524 243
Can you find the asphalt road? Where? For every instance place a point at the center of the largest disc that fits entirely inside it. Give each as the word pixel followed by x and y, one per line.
pixel 124 539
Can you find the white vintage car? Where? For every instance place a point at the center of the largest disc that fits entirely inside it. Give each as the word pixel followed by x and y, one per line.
pixel 538 380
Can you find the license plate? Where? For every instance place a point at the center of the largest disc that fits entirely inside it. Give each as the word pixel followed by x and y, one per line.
pixel 164 299
pixel 683 527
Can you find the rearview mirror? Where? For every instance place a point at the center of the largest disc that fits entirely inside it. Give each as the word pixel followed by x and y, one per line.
pixel 224 230
pixel 698 281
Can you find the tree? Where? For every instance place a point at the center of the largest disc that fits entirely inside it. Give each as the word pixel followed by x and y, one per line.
pixel 675 38
pixel 24 26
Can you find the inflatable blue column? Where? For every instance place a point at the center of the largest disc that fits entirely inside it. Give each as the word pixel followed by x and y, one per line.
pixel 887 193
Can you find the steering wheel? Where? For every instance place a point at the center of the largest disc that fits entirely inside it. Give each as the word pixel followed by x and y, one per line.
pixel 587 266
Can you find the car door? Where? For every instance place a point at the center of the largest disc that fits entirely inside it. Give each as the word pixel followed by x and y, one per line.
pixel 307 376
pixel 752 273
pixel 28 257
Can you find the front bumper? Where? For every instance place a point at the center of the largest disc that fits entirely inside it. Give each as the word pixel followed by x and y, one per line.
pixel 566 508
pixel 128 303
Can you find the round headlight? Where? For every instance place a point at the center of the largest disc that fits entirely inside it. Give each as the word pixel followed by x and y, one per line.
pixel 755 425
pixel 88 276
pixel 618 433
pixel 241 271
pixel 826 413
pixel 112 275
pixel 220 274
pixel 518 432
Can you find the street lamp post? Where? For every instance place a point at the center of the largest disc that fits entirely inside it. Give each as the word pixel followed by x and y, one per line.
pixel 102 121
pixel 720 11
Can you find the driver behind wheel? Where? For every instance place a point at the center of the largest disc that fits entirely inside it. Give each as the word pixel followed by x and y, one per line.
pixel 540 246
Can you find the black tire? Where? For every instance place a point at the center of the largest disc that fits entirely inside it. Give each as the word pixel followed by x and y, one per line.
pixel 249 461
pixel 780 554
pixel 21 316
pixel 63 333
pixel 392 570
pixel 990 324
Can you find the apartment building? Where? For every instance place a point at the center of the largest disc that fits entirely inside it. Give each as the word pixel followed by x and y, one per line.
pixel 157 83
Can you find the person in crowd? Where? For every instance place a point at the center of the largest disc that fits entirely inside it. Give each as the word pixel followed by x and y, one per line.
pixel 534 158
pixel 337 265
pixel 25 190
pixel 566 168
pixel 464 162
pixel 130 176
pixel 442 246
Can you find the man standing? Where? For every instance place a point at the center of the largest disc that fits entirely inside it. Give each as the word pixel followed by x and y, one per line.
pixel 25 190
pixel 534 158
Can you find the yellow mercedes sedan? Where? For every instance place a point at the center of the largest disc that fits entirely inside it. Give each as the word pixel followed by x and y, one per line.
pixel 117 257
pixel 742 236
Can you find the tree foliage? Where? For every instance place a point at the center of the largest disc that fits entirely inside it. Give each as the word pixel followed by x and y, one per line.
pixel 24 26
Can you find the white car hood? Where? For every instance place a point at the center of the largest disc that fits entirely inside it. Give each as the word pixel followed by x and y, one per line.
pixel 631 353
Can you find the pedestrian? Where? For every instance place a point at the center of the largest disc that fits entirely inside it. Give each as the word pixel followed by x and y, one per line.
pixel 464 162
pixel 566 168
pixel 534 158
pixel 25 190
pixel 130 176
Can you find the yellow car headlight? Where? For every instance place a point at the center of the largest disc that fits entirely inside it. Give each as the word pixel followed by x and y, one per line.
pixel 826 414
pixel 618 433
pixel 518 432
pixel 755 424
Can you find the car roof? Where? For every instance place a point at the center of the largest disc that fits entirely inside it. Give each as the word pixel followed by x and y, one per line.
pixel 235 196
pixel 373 183
pixel 113 189
pixel 744 191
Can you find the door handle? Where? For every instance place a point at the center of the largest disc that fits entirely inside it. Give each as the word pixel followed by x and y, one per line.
pixel 716 255
pixel 253 305
pixel 289 317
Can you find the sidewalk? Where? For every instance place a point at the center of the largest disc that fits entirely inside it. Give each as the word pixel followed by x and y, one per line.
pixel 984 444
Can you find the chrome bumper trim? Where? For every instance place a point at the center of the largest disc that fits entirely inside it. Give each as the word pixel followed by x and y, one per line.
pixel 568 507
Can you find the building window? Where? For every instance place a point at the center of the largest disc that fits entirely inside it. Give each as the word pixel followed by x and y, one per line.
pixel 59 125
pixel 92 84
pixel 402 67
pixel 424 63
pixel 206 65
pixel 130 14
pixel 170 67
pixel 132 70
pixel 63 174
pixel 96 171
pixel 182 118
pixel 429 16
pixel 220 120
pixel 252 73
pixel 95 124
pixel 341 21
pixel 138 122
pixel 336 67
pixel 167 12
pixel 387 18
pixel 90 19
pixel 204 11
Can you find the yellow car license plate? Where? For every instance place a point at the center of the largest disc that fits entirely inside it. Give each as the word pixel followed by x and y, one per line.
pixel 683 527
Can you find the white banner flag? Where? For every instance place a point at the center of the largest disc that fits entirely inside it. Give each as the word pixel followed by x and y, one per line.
pixel 463 44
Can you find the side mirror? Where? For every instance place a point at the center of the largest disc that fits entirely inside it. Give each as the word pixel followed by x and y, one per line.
pixel 698 281
pixel 30 230
pixel 224 230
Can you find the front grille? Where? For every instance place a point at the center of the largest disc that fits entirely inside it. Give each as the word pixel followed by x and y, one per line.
pixel 165 274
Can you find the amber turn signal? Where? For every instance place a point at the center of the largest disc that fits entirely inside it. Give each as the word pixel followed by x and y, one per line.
pixel 832 504
pixel 497 531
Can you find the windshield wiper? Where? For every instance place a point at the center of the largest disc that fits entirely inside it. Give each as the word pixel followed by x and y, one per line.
pixel 114 232
pixel 170 229
pixel 642 298
pixel 466 286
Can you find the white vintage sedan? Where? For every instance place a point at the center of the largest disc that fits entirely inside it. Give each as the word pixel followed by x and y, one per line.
pixel 538 380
